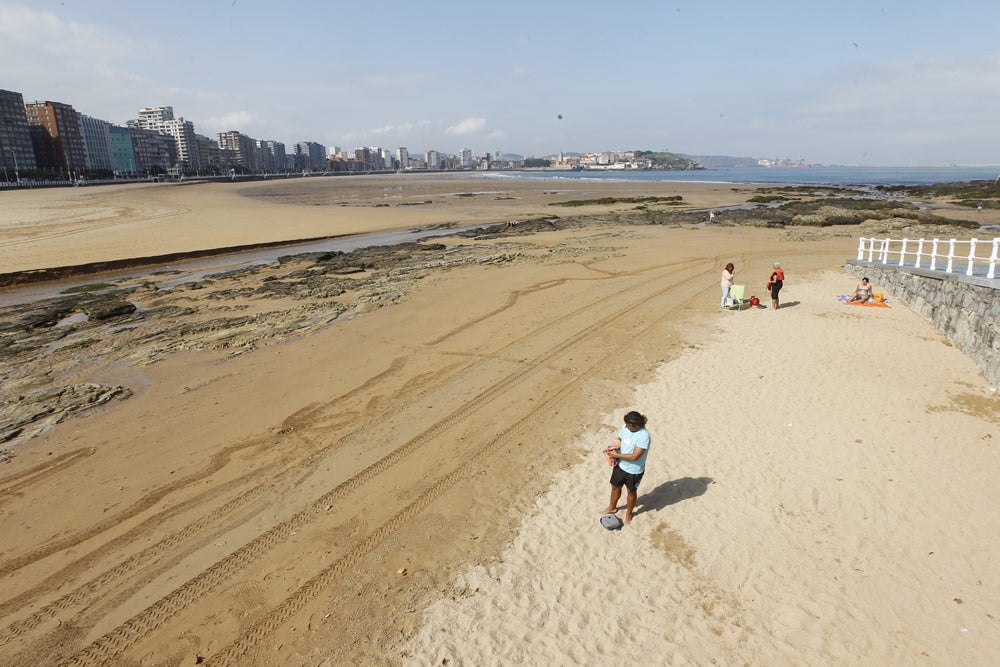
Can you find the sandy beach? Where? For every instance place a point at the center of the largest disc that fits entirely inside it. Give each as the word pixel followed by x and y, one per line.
pixel 48 228
pixel 398 461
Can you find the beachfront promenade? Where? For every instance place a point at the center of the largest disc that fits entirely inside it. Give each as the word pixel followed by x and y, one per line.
pixel 953 284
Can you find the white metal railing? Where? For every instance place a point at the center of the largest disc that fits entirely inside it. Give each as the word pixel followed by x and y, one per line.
pixel 978 259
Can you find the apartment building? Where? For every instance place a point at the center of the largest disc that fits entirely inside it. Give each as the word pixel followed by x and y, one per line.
pixel 311 156
pixel 209 154
pixel 272 156
pixel 122 151
pixel 17 153
pixel 154 151
pixel 161 119
pixel 56 136
pixel 386 158
pixel 403 157
pixel 239 150
pixel 97 143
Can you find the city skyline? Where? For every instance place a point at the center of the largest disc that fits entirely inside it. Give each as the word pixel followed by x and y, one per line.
pixel 845 84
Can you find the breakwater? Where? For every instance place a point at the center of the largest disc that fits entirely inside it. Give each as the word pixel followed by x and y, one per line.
pixel 965 309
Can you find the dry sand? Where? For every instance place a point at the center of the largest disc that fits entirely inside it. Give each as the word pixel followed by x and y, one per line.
pixel 422 482
pixel 821 490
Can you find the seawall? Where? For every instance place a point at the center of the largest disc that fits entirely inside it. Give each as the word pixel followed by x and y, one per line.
pixel 965 309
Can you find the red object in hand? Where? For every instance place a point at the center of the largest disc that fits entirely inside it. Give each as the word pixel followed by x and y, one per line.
pixel 607 451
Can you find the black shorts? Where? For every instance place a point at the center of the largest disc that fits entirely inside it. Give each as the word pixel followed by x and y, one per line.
pixel 619 477
pixel 775 288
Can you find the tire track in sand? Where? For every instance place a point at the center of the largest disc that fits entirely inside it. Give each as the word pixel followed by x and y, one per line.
pixel 236 652
pixel 85 228
pixel 39 472
pixel 117 641
pixel 112 577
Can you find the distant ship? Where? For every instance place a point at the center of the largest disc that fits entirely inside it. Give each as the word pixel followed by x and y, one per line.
pixel 783 164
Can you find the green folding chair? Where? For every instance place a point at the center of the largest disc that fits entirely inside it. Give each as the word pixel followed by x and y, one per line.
pixel 736 298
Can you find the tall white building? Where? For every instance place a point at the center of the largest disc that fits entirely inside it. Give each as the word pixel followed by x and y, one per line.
pixel 386 157
pixel 403 156
pixel 161 119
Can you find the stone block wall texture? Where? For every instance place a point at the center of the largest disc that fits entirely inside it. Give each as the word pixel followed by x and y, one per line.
pixel 967 313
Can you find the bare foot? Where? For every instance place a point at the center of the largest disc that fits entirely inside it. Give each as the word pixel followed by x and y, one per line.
pixel 610 510
pixel 628 518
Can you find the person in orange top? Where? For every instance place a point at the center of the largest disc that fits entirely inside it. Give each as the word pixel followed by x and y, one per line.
pixel 777 281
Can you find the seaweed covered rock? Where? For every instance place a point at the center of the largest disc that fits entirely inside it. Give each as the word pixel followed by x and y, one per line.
pixel 105 310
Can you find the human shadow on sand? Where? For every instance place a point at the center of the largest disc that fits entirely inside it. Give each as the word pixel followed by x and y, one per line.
pixel 672 492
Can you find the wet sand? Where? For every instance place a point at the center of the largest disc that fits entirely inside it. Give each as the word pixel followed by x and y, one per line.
pixel 70 226
pixel 420 480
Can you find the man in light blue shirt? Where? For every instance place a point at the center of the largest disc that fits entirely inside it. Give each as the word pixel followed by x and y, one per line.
pixel 630 452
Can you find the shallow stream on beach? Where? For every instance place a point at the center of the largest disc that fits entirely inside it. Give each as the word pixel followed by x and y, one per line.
pixel 197 268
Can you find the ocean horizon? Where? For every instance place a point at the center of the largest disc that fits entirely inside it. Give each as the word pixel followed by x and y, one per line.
pixel 862 176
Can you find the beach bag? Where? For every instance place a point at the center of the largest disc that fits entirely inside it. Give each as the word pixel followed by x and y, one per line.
pixel 611 522
pixel 768 287
pixel 754 301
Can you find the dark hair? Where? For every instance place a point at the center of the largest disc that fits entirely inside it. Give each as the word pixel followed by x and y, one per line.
pixel 635 419
pixel 865 279
pixel 730 267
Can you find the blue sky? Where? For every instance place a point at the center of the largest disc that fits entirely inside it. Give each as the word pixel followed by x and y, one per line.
pixel 890 83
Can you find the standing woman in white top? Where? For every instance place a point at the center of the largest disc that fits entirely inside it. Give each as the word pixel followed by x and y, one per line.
pixel 727 281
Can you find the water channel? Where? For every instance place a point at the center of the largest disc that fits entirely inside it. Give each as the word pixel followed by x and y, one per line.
pixel 195 269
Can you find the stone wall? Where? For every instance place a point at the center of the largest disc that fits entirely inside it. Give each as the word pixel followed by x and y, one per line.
pixel 966 310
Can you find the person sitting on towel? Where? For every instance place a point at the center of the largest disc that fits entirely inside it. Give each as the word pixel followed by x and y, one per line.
pixel 863 293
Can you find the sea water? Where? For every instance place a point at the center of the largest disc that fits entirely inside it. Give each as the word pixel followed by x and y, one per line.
pixel 786 176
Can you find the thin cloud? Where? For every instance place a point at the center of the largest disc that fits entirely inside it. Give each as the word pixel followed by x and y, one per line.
pixel 37 33
pixel 235 120
pixel 904 112
pixel 467 126
pixel 332 87
pixel 72 62
pixel 400 130
pixel 395 80
pixel 925 92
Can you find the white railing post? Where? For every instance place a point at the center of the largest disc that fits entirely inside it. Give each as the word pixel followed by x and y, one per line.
pixel 993 259
pixel 883 251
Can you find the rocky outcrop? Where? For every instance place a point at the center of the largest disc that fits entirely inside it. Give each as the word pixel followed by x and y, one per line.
pixel 108 309
pixel 47 348
pixel 27 415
